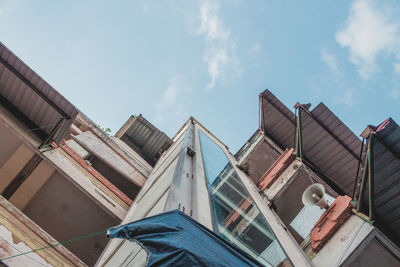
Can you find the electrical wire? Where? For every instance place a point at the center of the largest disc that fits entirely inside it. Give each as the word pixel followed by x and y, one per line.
pixel 54 245
pixel 21 252
pixel 350 243
pixel 308 173
pixel 43 127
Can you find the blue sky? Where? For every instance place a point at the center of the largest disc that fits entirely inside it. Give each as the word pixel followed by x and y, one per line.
pixel 210 59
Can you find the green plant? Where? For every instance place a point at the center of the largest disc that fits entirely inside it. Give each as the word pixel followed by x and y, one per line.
pixel 107 131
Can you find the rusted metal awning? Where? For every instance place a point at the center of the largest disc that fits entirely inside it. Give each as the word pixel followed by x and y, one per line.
pixel 380 184
pixel 327 144
pixel 277 121
pixel 143 137
pixel 331 146
pixel 30 98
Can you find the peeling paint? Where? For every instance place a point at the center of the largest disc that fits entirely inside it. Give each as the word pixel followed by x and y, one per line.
pixel 10 245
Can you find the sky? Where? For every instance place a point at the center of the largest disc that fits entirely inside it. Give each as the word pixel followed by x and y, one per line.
pixel 168 60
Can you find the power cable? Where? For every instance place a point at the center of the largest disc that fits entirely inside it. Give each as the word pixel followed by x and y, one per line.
pixel 54 245
pixel 11 245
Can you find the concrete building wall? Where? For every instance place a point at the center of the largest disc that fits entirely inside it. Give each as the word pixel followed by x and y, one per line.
pixel 19 234
pixel 165 185
pixel 18 128
pixel 129 254
pixel 124 185
pixel 261 158
pixel 15 163
pixel 63 211
pixel 287 202
pixel 374 254
pixel 345 240
pixel 101 150
pixel 150 201
pixel 9 143
pixel 32 185
pixel 88 184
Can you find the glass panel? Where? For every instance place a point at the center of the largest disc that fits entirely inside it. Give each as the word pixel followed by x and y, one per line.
pixel 236 216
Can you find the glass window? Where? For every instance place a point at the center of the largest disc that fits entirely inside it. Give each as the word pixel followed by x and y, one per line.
pixel 236 216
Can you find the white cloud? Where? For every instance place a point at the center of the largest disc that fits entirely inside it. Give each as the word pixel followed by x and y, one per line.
pixel 211 25
pixel 220 49
pixel 256 48
pixel 169 103
pixel 217 59
pixel 397 68
pixel 369 31
pixel 330 60
pixel 395 94
pixel 346 99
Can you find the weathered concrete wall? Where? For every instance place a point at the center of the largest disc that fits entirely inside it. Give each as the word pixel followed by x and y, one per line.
pixel 343 242
pixel 129 254
pixel 101 150
pixel 9 143
pixel 375 254
pixel 14 165
pixel 78 149
pixel 150 201
pixel 131 152
pixel 124 185
pixel 9 246
pixel 260 159
pixel 32 185
pixel 65 212
pixel 83 179
pixel 288 201
pixel 19 234
pixel 19 129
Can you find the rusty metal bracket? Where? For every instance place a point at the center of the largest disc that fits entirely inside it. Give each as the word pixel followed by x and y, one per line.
pixel 368 177
pixel 299 139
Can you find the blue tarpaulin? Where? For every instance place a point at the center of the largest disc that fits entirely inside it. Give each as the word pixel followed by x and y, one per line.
pixel 175 239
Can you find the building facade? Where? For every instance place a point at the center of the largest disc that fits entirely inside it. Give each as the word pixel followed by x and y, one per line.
pixel 62 177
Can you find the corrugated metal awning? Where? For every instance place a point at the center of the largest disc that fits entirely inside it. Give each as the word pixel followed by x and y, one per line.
pixel 328 143
pixel 146 139
pixel 331 146
pixel 24 92
pixel 277 121
pixel 386 158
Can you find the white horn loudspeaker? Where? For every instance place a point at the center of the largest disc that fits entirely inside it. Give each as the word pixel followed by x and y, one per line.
pixel 314 195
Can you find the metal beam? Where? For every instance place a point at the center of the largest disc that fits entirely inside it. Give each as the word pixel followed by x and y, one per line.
pixel 22 176
pixel 358 169
pixel 371 195
pixel 299 136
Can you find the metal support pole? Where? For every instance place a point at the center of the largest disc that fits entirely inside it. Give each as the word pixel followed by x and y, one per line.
pixel 299 139
pixel 358 171
pixel 296 145
pixel 371 177
pixel 364 179
pixel 261 114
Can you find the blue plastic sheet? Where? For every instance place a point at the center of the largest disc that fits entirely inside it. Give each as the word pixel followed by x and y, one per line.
pixel 175 239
